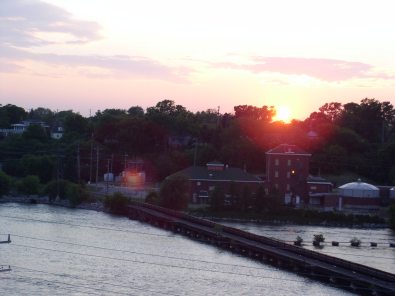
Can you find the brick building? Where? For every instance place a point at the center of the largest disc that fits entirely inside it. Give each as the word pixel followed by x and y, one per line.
pixel 287 171
pixel 203 180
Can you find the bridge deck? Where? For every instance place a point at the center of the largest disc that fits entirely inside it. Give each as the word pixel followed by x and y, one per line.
pixel 331 266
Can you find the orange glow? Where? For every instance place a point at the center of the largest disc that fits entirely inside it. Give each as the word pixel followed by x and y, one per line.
pixel 283 114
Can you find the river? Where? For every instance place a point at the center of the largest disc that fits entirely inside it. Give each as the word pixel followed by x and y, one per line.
pixel 58 251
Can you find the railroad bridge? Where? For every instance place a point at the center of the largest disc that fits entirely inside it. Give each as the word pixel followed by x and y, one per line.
pixel 337 272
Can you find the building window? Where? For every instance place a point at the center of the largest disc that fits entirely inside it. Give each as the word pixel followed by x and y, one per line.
pixel 288 187
pixel 276 186
pixel 198 183
pixel 288 175
pixel 289 162
pixel 313 187
pixel 276 161
pixel 211 188
pixel 275 174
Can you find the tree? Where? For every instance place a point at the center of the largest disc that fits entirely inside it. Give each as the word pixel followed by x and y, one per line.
pixel 152 198
pixel 318 239
pixel 136 111
pixel 174 192
pixel 332 111
pixel 42 166
pixel 117 203
pixel 10 114
pixel 29 185
pixel 5 183
pixel 35 132
pixel 75 123
pixel 56 189
pixel 263 113
pixel 371 118
pixel 42 114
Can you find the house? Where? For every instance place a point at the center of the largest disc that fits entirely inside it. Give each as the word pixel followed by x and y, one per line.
pixel 20 128
pixel 179 141
pixel 204 179
pixel 57 131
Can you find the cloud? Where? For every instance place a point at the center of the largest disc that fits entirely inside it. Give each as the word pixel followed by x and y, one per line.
pixel 331 70
pixel 6 67
pixel 31 23
pixel 120 66
pixel 22 20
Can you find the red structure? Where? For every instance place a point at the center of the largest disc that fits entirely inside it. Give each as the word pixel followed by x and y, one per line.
pixel 287 170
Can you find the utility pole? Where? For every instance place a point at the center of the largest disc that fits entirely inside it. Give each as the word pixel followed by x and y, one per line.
pixel 78 163
pixel 112 163
pixel 91 163
pixel 108 174
pixel 126 155
pixel 195 154
pixel 97 165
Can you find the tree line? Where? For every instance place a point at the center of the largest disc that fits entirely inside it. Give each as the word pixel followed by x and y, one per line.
pixel 352 137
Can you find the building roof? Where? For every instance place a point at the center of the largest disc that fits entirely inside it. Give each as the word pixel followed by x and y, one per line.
pixel 318 180
pixel 287 149
pixel 359 189
pixel 200 173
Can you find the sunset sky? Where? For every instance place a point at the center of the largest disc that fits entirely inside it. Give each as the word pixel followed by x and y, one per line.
pixel 96 54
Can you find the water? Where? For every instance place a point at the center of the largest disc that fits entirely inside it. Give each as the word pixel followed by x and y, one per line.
pixel 58 251
pixel 381 257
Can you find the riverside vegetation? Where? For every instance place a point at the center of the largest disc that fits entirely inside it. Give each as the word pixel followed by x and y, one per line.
pixel 355 139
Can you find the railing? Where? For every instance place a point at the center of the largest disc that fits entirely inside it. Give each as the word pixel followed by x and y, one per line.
pixel 334 261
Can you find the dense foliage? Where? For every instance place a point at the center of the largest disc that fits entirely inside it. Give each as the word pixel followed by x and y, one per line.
pixel 352 137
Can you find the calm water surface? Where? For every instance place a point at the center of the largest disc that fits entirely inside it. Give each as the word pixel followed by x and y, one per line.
pixel 381 257
pixel 59 251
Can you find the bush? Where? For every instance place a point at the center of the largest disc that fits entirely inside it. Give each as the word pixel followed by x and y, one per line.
pixel 117 203
pixel 152 198
pixel 298 241
pixel 66 190
pixel 355 242
pixel 5 183
pixel 318 239
pixel 56 188
pixel 174 193
pixel 29 185
pixel 76 194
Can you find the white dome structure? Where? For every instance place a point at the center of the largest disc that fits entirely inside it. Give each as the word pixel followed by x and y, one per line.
pixel 392 192
pixel 359 189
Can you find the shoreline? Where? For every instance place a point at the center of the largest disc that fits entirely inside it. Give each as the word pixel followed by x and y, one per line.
pixel 93 206
pixel 98 206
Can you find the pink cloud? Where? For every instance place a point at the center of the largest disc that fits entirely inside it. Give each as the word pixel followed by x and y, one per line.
pixel 323 69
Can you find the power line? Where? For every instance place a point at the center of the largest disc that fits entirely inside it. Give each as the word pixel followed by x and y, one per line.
pixel 143 233
pixel 145 254
pixel 156 264
pixel 93 281
pixel 84 226
pixel 74 285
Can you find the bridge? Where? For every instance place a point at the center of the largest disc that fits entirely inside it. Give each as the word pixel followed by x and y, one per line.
pixel 337 272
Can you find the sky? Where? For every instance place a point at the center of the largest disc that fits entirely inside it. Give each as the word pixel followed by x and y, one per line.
pixel 89 55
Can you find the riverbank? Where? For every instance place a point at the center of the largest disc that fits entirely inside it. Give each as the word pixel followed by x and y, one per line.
pixel 286 218
pixel 294 217
pixel 34 199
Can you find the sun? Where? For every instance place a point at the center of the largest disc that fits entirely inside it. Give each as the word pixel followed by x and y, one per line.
pixel 283 114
